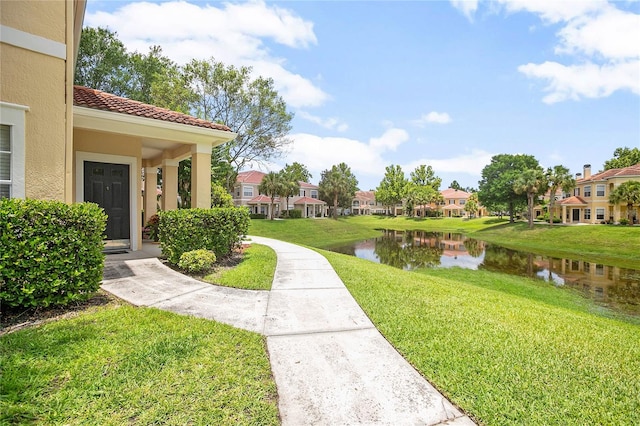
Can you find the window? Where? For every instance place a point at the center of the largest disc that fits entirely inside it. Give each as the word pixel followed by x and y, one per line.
pixel 600 214
pixel 600 190
pixel 247 191
pixel 314 194
pixel 356 203
pixel 587 213
pixel 12 149
pixel 462 202
pixel 587 191
pixel 5 161
pixel 576 192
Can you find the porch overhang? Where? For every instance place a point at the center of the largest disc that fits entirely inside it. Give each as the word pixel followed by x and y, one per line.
pixel 160 139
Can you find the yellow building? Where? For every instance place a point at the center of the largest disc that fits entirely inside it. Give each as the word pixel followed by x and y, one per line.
pixel 76 144
pixel 590 200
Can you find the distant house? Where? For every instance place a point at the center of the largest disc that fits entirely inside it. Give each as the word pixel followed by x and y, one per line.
pixel 590 200
pixel 71 143
pixel 246 193
pixel 364 203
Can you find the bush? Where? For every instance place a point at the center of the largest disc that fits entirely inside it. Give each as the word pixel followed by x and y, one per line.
pixel 219 230
pixel 220 197
pixel 295 214
pixel 152 227
pixel 257 216
pixel 624 221
pixel 197 261
pixel 50 252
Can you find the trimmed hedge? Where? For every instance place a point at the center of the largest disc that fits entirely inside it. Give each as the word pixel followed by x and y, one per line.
pixel 50 252
pixel 197 261
pixel 219 230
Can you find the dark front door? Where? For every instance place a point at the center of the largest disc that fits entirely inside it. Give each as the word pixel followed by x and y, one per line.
pixel 107 185
pixel 576 215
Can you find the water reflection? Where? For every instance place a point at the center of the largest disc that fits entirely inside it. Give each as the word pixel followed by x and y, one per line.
pixel 616 287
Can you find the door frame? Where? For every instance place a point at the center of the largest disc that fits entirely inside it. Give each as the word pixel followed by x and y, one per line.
pixel 82 156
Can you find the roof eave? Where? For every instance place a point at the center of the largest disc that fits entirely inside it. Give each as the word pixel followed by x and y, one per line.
pixel 99 120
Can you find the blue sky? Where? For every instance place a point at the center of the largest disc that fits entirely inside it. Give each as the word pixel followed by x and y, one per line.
pixel 442 83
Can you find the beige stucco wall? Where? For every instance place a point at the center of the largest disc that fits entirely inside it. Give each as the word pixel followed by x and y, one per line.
pixel 39 82
pixel 44 18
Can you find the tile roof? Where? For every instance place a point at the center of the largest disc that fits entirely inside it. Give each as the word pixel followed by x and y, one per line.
pixel 611 173
pixel 573 201
pixel 251 176
pixel 454 193
pixel 260 199
pixel 365 195
pixel 97 99
pixel 308 200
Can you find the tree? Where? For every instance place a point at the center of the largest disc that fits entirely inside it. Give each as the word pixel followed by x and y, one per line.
pixel 103 62
pixel 298 171
pixel 623 157
pixel 290 184
pixel 424 186
pixel 392 188
pixel 531 182
pixel 271 186
pixel 496 189
pixel 220 197
pixel 471 206
pixel 558 177
pixel 455 185
pixel 250 107
pixel 627 193
pixel 338 186
pixel 425 176
pixel 144 71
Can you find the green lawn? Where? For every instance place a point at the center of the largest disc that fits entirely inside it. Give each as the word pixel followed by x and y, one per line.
pixel 255 271
pixel 127 365
pixel 507 350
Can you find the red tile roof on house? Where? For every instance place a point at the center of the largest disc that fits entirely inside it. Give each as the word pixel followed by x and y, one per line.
pixel 608 174
pixel 262 199
pixel 97 99
pixel 452 207
pixel 251 176
pixel 308 200
pixel 307 185
pixel 365 195
pixel 454 193
pixel 573 201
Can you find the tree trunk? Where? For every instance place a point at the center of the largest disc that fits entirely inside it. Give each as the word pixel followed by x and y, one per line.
pixel 530 208
pixel 335 206
pixel 551 202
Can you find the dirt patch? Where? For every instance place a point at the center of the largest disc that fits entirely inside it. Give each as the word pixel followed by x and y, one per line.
pixel 12 319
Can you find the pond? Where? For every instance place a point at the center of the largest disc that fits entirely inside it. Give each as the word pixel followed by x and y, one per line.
pixel 611 286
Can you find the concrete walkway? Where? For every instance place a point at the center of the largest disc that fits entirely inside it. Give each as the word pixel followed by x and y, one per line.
pixel 330 364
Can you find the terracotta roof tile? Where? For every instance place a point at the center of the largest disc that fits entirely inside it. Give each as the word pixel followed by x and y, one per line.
pixel 251 176
pixel 96 99
pixel 454 193
pixel 573 201
pixel 607 174
pixel 308 200
pixel 260 199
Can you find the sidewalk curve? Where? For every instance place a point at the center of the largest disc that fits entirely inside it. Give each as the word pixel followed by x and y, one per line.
pixel 331 365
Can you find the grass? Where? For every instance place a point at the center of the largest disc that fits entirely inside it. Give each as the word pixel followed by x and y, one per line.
pixel 505 349
pixel 124 365
pixel 254 272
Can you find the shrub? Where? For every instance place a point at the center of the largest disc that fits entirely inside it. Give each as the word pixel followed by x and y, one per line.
pixel 257 216
pixel 50 252
pixel 295 214
pixel 197 261
pixel 624 221
pixel 219 230
pixel 152 227
pixel 220 197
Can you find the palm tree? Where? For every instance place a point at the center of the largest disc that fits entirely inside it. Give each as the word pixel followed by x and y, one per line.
pixel 532 182
pixel 558 177
pixel 271 186
pixel 629 193
pixel 337 184
pixel 290 187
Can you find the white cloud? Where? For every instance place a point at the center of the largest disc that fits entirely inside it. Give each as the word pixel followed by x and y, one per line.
pixel 232 33
pixel 433 117
pixel 613 34
pixel 584 81
pixel 330 123
pixel 364 158
pixel 390 140
pixel 470 163
pixel 467 7
pixel 599 44
pixel 554 11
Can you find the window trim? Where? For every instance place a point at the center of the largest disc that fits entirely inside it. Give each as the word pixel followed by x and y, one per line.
pixel 14 116
pixel 604 190
pixel 587 193
pixel 245 192
pixel 598 213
